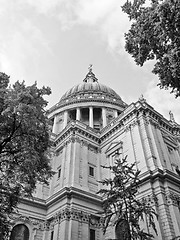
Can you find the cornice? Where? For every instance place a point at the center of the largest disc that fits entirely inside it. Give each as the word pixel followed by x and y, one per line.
pixel 34 201
pixel 161 175
pixel 115 102
pixel 131 115
pixel 72 192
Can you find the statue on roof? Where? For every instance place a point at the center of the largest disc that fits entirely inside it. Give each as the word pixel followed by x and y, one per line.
pixel 90 77
pixel 171 117
pixel 141 98
pixel 90 67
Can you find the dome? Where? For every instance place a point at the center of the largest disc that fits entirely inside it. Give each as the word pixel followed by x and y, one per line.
pixel 91 88
pixel 89 92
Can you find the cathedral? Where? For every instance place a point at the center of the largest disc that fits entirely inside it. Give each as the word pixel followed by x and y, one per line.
pixel 89 125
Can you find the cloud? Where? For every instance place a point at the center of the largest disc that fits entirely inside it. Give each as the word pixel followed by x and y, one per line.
pixel 22 42
pixel 104 16
pixel 42 6
pixel 162 100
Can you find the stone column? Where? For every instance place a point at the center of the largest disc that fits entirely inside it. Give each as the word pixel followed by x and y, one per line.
pixel 91 124
pixel 116 114
pixel 54 124
pixel 78 114
pixel 104 117
pixel 65 118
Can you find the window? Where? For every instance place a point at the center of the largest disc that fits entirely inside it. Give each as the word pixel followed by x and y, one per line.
pixel 178 204
pixel 59 172
pixel 91 171
pixel 92 234
pixel 52 235
pixel 20 231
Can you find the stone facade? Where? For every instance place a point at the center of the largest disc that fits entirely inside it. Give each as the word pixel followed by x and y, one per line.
pixel 89 124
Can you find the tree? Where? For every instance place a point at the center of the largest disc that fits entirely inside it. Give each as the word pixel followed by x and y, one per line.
pixel 24 145
pixel 121 208
pixel 155 34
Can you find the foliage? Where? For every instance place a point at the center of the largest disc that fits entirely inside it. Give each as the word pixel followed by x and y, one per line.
pixel 155 34
pixel 121 207
pixel 24 145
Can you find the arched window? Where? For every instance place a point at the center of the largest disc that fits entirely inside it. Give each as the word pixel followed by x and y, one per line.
pixel 20 232
pixel 121 230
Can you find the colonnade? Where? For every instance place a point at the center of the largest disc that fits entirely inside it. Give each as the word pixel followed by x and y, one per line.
pixel 78 116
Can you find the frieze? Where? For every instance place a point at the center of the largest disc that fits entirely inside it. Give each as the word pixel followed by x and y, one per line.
pixel 173 198
pixel 74 214
pixel 151 199
pixel 35 223
pixel 96 221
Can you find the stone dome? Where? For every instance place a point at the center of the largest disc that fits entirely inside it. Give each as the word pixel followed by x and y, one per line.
pixel 91 87
pixel 89 92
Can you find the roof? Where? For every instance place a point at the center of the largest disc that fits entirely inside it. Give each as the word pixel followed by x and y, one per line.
pixel 90 85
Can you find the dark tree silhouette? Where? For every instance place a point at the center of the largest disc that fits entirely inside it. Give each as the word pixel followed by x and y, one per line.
pixel 155 34
pixel 24 145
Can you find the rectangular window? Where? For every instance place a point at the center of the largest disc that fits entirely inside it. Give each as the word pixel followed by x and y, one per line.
pixel 92 234
pixel 52 235
pixel 91 171
pixel 59 173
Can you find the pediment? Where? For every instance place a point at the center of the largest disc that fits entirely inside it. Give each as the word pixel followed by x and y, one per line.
pixel 113 147
pixel 170 140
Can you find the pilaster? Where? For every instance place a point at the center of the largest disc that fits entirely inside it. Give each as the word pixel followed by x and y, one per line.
pixel 104 117
pixel 65 118
pixel 55 124
pixel 147 144
pixel 91 124
pixel 78 114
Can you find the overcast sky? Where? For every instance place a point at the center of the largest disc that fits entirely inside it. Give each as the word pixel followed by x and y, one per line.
pixel 54 41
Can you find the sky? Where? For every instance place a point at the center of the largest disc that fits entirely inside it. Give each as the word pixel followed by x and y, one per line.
pixel 53 42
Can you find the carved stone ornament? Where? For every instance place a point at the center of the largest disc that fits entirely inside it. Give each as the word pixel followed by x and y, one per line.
pixel 77 215
pixel 173 198
pixel 95 221
pixel 35 223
